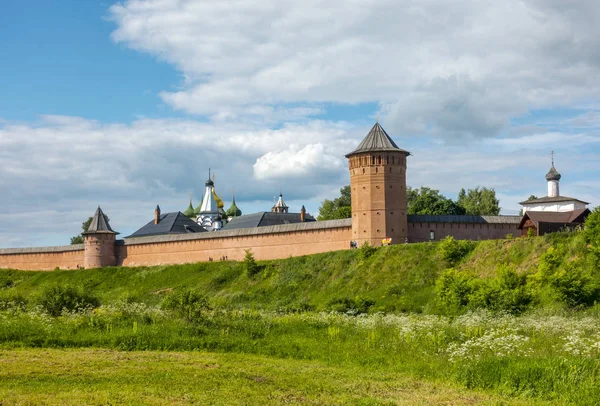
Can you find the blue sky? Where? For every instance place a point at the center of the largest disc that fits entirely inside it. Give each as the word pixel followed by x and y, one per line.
pixel 126 104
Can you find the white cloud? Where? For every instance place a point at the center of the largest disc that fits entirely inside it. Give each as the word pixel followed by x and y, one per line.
pixel 451 68
pixel 297 162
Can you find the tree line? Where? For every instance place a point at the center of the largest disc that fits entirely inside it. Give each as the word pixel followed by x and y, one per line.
pixel 480 201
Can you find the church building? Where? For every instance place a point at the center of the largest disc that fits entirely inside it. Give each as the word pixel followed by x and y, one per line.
pixel 553 212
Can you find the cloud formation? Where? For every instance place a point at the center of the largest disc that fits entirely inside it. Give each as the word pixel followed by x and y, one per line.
pixel 448 68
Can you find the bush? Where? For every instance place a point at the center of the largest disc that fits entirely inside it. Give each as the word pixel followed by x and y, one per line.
pixel 574 286
pixel 189 304
pixel 358 305
pixel 507 292
pixel 453 250
pixel 591 228
pixel 454 288
pixel 9 301
pixel 57 298
pixel 250 264
pixel 367 250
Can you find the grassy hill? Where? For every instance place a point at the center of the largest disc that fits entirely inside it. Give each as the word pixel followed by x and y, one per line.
pixel 547 350
pixel 391 279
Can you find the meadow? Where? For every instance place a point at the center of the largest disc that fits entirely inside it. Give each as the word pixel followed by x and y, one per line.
pixel 497 322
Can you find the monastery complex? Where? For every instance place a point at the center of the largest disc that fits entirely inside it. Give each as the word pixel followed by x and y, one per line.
pixel 379 215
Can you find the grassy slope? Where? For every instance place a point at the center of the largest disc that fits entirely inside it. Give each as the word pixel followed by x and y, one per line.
pixel 397 278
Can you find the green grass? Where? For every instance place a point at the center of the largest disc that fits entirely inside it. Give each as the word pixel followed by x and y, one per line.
pixel 396 278
pixel 78 377
pixel 282 316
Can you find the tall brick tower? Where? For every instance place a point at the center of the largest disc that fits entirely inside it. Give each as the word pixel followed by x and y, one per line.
pixel 378 189
pixel 99 243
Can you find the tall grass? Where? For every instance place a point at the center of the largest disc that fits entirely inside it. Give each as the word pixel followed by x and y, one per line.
pixel 548 357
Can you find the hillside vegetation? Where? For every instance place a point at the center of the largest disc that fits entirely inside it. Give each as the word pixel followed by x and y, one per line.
pixel 518 317
pixel 434 278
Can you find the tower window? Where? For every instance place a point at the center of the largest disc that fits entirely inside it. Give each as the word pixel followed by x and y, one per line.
pixel 373 160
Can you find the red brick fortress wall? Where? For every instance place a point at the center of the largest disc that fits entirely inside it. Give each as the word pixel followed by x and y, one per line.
pixel 496 227
pixel 265 242
pixel 42 258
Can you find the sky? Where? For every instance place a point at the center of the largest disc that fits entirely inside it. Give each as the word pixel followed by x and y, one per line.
pixel 127 104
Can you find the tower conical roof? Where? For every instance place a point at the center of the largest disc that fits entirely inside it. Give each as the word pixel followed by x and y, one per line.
pixel 99 224
pixel 553 174
pixel 377 140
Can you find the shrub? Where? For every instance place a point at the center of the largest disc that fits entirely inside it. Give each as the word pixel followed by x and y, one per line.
pixel 591 230
pixel 190 304
pixel 358 305
pixel 574 286
pixel 507 292
pixel 453 250
pixel 510 236
pixel 250 264
pixel 12 300
pixel 454 288
pixel 549 262
pixel 367 250
pixel 57 298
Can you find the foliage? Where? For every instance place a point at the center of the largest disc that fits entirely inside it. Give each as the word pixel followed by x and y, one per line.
pixel 55 299
pixel 338 208
pixel 479 201
pixel 507 292
pixel 452 250
pixel 347 305
pixel 575 286
pixel 430 201
pixel 454 289
pixel 366 250
pixel 190 304
pixel 78 239
pixel 591 230
pixel 250 264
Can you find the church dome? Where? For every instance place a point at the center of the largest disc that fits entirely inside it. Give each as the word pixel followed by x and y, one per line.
pixel 190 212
pixel 233 210
pixel 552 174
pixel 218 200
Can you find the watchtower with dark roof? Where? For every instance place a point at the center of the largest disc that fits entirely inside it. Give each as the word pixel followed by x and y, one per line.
pixel 378 189
pixel 99 242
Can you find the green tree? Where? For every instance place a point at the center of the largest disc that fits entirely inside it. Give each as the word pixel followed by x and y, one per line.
pixel 78 239
pixel 430 201
pixel 479 201
pixel 338 208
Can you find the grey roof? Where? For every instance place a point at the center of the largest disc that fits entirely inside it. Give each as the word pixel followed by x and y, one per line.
pixel 169 223
pixel 264 219
pixel 553 174
pixel 548 199
pixel 225 233
pixel 427 218
pixel 377 140
pixel 36 250
pixel 99 224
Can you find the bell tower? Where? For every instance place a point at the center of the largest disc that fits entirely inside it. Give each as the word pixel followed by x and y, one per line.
pixel 378 189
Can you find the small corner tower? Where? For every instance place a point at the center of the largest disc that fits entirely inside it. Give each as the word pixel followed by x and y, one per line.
pixel 378 189
pixel 553 177
pixel 99 242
